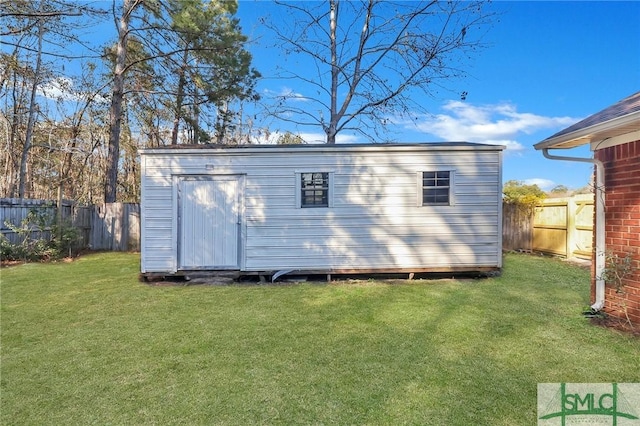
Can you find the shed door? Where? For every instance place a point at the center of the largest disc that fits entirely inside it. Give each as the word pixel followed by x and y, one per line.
pixel 209 222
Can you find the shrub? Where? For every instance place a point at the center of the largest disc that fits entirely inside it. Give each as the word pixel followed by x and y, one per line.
pixel 35 243
pixel 523 195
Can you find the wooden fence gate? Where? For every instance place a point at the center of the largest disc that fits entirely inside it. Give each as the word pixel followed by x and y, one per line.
pixel 561 226
pixel 564 226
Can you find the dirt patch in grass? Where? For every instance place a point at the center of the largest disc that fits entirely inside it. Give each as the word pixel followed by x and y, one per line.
pixel 9 263
pixel 618 324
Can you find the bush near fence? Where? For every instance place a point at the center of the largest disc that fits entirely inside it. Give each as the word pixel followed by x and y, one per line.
pixel 16 210
pixel 111 226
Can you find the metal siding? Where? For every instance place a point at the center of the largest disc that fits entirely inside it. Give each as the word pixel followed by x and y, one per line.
pixel 143 219
pixel 157 251
pixel 498 189
pixel 374 221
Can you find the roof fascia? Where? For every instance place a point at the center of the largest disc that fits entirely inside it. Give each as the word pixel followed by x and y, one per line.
pixel 321 148
pixel 587 131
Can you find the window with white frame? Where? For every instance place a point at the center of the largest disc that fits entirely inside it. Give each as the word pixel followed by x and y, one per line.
pixel 314 189
pixel 436 188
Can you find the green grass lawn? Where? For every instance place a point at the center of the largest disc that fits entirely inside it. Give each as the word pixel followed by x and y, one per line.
pixel 86 343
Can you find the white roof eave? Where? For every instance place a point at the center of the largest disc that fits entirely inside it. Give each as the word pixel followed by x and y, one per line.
pixel 587 134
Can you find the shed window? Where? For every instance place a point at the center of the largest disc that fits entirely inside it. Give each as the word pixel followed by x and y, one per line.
pixel 436 188
pixel 314 189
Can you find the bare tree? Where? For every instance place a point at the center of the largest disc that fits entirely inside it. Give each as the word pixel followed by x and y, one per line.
pixel 46 148
pixel 368 60
pixel 35 30
pixel 32 111
pixel 115 111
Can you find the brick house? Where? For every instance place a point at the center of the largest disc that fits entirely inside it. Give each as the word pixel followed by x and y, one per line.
pixel 614 137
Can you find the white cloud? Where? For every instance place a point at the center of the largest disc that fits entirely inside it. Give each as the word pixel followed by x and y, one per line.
pixel 348 139
pixel 307 137
pixel 288 94
pixel 61 88
pixel 58 88
pixel 544 184
pixel 499 124
pixel 313 138
pixel 266 139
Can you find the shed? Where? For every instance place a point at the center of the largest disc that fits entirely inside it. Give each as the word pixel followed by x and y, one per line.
pixel 321 209
pixel 613 135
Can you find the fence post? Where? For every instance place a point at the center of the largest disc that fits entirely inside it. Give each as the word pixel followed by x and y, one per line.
pixel 571 227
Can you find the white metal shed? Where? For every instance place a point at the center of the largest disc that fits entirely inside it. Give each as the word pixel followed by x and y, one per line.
pixel 333 209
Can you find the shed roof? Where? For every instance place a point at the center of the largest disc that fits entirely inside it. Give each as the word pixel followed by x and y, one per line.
pixel 368 147
pixel 620 118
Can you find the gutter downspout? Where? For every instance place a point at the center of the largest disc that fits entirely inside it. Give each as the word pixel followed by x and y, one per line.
pixel 600 240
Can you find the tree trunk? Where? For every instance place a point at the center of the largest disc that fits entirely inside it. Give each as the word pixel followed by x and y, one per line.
pixel 222 122
pixel 331 129
pixel 179 98
pixel 196 116
pixel 115 111
pixel 32 115
pixel 65 170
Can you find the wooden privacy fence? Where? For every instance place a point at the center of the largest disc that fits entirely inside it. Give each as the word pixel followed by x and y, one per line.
pixel 15 211
pixel 111 226
pixel 561 226
pixel 116 227
pixel 517 228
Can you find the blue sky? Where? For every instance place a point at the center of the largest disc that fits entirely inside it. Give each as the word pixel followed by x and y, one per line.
pixel 548 65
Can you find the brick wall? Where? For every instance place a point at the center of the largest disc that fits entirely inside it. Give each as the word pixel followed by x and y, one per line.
pixel 622 222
